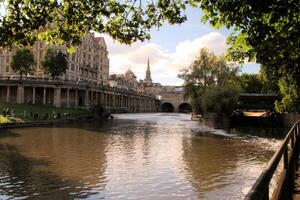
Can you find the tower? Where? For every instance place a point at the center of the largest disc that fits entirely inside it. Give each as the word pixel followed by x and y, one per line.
pixel 148 74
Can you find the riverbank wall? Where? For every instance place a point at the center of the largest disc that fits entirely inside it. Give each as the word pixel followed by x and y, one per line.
pixel 288 119
pixel 221 121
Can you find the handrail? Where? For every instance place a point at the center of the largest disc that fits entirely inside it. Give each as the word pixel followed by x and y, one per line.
pixel 285 185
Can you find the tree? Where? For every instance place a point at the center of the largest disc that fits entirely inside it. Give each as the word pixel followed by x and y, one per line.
pixel 55 63
pixel 265 31
pixel 267 27
pixel 22 62
pixel 219 100
pixel 290 95
pixel 207 70
pixel 270 80
pixel 250 83
pixel 66 21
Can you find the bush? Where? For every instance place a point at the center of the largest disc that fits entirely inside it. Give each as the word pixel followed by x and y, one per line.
pixel 290 98
pixel 219 99
pixel 99 110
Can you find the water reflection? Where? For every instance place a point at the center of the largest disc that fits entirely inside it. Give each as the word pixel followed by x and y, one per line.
pixel 57 163
pixel 149 156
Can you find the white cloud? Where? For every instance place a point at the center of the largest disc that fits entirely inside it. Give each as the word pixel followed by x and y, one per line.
pixel 165 65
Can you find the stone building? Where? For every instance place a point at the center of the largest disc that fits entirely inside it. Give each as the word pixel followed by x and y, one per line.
pixel 125 81
pixel 148 79
pixel 89 63
pixel 147 85
pixel 128 81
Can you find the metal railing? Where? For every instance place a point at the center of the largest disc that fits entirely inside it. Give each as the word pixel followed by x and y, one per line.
pixel 288 152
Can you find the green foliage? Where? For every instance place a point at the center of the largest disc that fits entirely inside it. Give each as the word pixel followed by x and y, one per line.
pixel 290 96
pixel 99 110
pixel 270 80
pixel 66 21
pixel 219 99
pixel 55 63
pixel 207 70
pixel 250 83
pixel 266 32
pixel 22 62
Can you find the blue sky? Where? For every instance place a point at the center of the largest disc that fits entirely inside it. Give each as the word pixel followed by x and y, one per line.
pixel 191 29
pixel 170 49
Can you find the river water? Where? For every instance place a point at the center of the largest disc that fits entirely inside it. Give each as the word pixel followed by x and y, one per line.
pixel 135 156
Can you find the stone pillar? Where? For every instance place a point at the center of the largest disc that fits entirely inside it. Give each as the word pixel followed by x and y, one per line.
pixel 124 101
pixel 44 95
pixel 76 98
pixel 121 101
pixel 33 95
pixel 68 97
pixel 132 103
pixel 93 97
pixel 57 97
pixel 114 100
pixel 103 102
pixel 86 98
pixel 97 98
pixel 107 100
pixel 20 94
pixel 7 93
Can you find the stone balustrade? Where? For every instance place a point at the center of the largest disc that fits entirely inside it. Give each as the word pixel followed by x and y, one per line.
pixel 62 93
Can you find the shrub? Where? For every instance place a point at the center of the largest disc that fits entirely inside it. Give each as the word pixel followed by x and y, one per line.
pixel 219 99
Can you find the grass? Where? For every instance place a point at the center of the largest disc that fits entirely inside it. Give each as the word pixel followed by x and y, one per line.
pixel 25 112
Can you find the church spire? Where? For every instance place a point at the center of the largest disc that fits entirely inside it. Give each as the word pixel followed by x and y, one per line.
pixel 148 65
pixel 148 73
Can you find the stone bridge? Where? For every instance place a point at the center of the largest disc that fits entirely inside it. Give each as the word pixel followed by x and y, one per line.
pixel 174 101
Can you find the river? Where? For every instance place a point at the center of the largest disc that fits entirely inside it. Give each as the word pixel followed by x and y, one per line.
pixel 135 156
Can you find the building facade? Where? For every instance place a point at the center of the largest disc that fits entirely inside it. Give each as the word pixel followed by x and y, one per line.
pixel 89 63
pixel 125 81
pixel 147 85
pixel 128 81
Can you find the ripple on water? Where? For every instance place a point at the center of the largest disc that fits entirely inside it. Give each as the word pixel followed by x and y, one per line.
pixel 135 156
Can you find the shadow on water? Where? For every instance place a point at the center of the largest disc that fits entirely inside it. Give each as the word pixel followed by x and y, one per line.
pixel 34 165
pixel 8 133
pixel 23 177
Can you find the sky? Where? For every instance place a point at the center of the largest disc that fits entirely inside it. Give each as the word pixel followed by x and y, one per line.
pixel 170 49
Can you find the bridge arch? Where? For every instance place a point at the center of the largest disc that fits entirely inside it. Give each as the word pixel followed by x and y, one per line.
pixel 185 108
pixel 167 107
